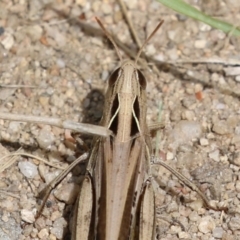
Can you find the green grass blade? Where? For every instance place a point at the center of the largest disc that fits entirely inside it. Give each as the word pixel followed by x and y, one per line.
pixel 186 9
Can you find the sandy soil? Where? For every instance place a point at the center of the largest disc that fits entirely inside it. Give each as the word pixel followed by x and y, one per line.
pixel 55 63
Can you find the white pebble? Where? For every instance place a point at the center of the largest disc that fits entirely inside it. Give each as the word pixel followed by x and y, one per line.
pixel 104 75
pixel 14 127
pixel 28 169
pixel 218 232
pixel 43 233
pixel 184 235
pixel 232 71
pixel 61 63
pixel 206 225
pixel 150 50
pixel 220 106
pixel 58 227
pixel 7 41
pixel 27 216
pixel 200 44
pixel 214 155
pixel 67 193
pixel 170 156
pixel 203 141
pixel 45 138
pixel 237 78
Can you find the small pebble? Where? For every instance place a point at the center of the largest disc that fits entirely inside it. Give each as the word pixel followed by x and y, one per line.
pixel 193 216
pixel 44 100
pixel 203 141
pixel 206 225
pixel 236 158
pixel 34 32
pixel 232 71
pixel 184 235
pixel 6 93
pixel 170 156
pixel 28 169
pixel 27 216
pixel 234 223
pixel 237 78
pixel 7 41
pixel 214 155
pixel 43 234
pixel 220 127
pixel 68 193
pixel 104 75
pixel 58 227
pixel 237 186
pixel 14 127
pixel 45 138
pixel 200 43
pixel 150 50
pixel 5 218
pixel 60 63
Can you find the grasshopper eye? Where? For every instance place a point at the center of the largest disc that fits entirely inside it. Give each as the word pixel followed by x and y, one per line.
pixel 114 77
pixel 141 79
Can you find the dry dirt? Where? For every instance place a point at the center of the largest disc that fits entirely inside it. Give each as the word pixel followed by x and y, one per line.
pixel 55 62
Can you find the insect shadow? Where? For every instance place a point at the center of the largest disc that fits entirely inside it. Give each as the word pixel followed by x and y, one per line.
pixel 92 106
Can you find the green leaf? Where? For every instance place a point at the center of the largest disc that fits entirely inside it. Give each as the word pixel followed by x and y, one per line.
pixel 186 9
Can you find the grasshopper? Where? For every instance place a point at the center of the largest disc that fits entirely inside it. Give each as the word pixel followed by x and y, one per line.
pixel 116 200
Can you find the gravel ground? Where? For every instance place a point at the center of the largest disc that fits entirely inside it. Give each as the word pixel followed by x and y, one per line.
pixel 53 66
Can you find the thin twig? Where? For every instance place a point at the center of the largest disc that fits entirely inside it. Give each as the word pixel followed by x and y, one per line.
pixel 19 86
pixel 8 163
pixel 214 60
pixel 2 191
pixel 57 122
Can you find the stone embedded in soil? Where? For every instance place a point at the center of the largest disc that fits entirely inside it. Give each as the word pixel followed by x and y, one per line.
pixel 206 224
pixel 27 216
pixel 45 138
pixel 184 131
pixel 203 141
pixel 67 193
pixel 7 41
pixel 184 235
pixel 28 169
pixel 215 155
pixel 236 158
pixel 58 227
pixel 43 233
pixel 34 32
pixel 221 127
pixel 234 223
pixel 200 43
pixel 218 232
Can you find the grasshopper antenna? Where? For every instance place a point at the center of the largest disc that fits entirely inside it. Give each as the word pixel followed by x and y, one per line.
pixel 109 37
pixel 147 40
